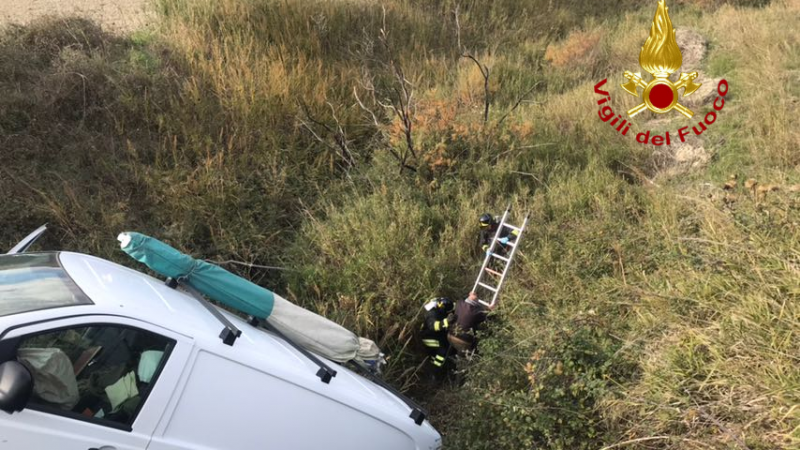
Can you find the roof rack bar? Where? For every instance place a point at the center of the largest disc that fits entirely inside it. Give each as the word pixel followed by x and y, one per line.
pixel 418 413
pixel 229 333
pixel 325 372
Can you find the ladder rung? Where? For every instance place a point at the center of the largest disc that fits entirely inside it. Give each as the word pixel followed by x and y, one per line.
pixel 487 287
pixel 512 227
pixel 502 258
pixel 494 272
pixel 510 244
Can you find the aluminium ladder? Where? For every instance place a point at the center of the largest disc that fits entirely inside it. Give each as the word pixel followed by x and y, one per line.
pixel 505 261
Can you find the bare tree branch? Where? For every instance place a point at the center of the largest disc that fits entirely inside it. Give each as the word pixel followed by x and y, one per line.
pixel 458 28
pixel 341 137
pixel 482 67
pixel 397 100
pixel 517 103
pixel 340 145
pixel 375 122
pixel 486 94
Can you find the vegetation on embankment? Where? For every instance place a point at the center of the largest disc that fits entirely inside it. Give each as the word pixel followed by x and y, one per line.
pixel 644 311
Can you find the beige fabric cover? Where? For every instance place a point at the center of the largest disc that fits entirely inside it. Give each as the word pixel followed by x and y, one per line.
pixel 320 335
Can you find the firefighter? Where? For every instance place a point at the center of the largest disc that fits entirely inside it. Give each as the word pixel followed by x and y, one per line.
pixel 468 317
pixel 434 331
pixel 489 224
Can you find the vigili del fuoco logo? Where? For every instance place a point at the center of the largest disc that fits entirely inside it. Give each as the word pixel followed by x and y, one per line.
pixel 661 57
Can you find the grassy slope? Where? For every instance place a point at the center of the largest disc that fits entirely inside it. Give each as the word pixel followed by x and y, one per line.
pixel 665 311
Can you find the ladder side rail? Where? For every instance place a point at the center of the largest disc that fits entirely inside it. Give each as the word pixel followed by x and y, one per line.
pixel 491 254
pixel 488 256
pixel 508 266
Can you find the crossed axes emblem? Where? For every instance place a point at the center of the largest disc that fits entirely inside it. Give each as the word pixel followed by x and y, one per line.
pixel 660 95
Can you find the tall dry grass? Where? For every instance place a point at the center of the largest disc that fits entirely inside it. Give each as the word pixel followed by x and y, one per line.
pixel 643 311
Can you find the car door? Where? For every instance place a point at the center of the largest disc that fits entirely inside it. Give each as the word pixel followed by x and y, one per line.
pixel 100 382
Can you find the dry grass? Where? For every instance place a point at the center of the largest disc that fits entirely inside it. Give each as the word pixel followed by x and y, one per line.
pixel 766 63
pixel 635 310
pixel 578 49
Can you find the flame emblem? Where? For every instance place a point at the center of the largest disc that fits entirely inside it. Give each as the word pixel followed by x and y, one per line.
pixel 660 56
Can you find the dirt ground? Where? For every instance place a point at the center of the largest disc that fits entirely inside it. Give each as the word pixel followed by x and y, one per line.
pixel 112 15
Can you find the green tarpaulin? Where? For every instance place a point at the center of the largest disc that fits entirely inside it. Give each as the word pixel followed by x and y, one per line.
pixel 309 330
pixel 211 280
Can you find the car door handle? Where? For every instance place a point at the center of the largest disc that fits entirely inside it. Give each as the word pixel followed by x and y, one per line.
pixel 105 447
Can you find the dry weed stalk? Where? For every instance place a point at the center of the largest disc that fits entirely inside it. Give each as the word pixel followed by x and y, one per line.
pixel 340 144
pixel 398 99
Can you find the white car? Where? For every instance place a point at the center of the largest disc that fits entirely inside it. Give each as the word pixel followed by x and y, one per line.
pixel 95 356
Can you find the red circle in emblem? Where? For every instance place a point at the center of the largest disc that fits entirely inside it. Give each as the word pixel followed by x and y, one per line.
pixel 661 96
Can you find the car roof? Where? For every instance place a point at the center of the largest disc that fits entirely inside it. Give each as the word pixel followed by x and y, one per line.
pixel 115 289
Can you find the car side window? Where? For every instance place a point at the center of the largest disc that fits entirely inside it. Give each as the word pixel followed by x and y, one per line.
pixel 101 373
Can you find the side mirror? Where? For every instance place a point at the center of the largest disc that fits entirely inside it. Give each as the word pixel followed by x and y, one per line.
pixel 16 386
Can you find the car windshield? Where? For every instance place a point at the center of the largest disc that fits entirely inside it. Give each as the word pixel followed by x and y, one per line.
pixel 30 282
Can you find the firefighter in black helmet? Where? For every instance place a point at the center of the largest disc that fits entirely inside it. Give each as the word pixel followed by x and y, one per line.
pixel 488 225
pixel 434 332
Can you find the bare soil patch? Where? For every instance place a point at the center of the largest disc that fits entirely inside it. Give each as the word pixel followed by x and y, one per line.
pixel 113 15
